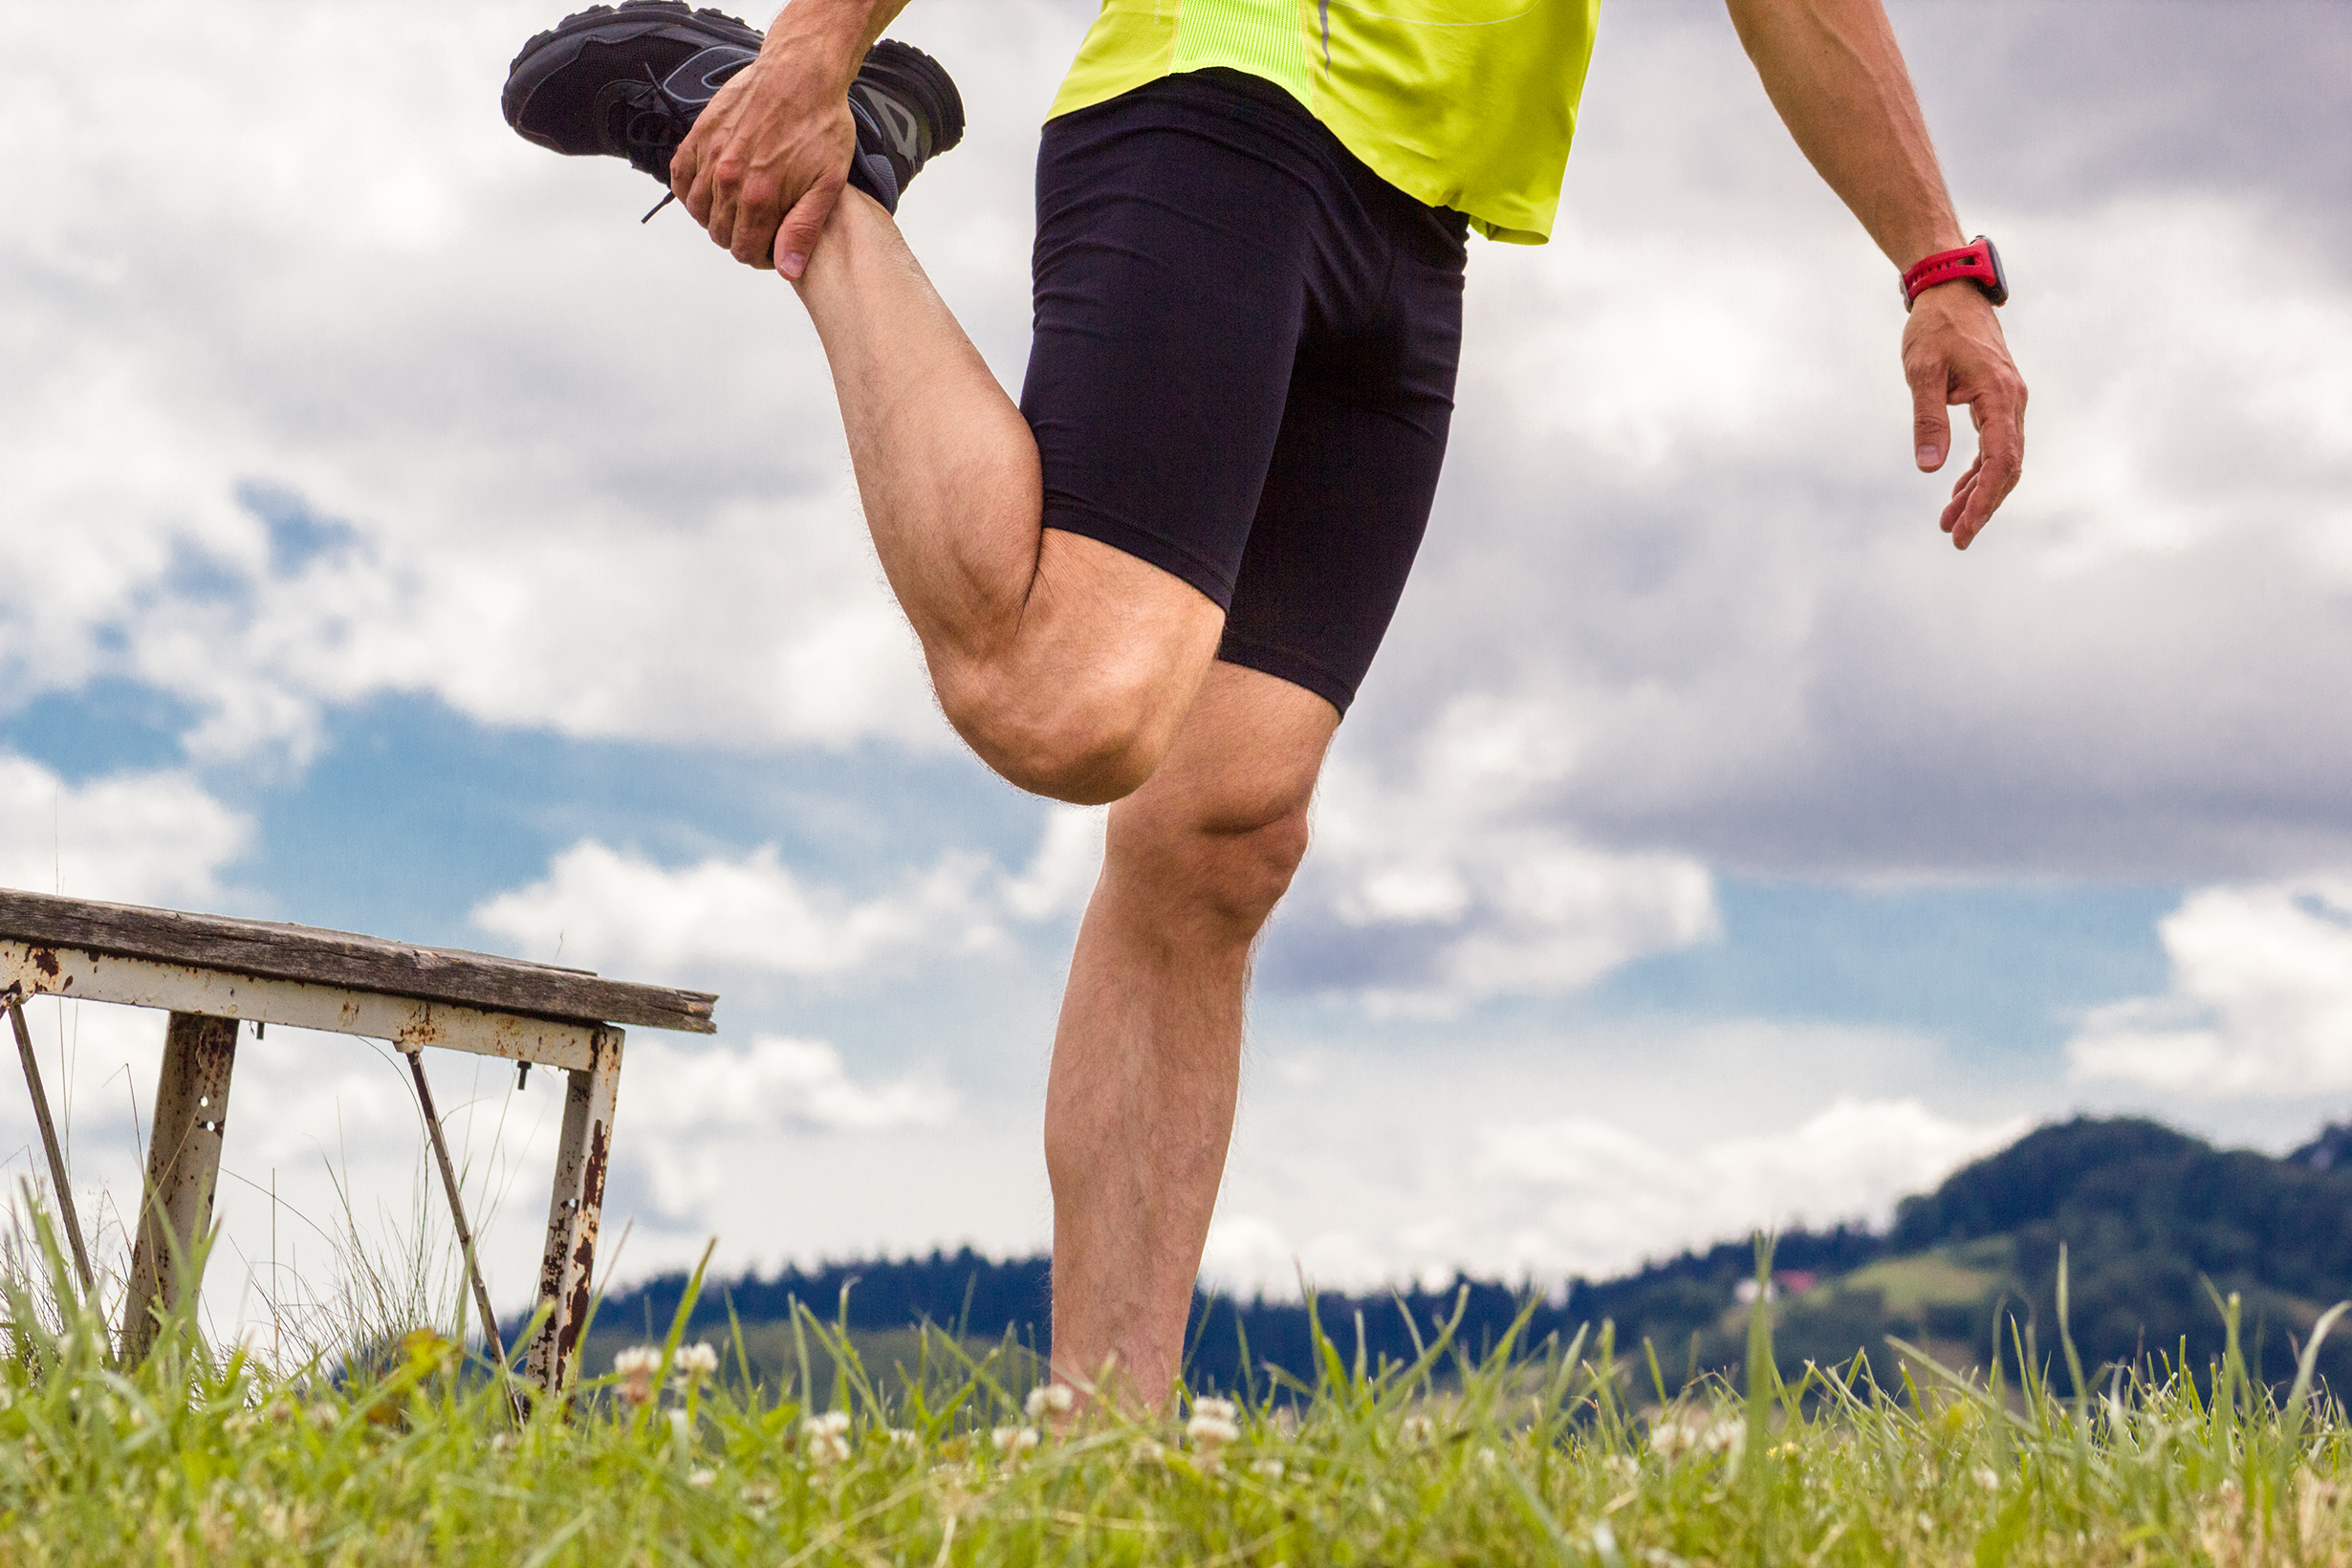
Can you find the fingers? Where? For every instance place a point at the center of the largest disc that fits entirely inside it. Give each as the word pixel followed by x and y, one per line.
pixel 1958 507
pixel 684 164
pixel 695 187
pixel 2000 462
pixel 758 210
pixel 795 239
pixel 1931 424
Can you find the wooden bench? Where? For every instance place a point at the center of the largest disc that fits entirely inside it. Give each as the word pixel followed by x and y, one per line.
pixel 212 973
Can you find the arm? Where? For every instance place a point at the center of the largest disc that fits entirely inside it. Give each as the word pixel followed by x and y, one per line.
pixel 767 159
pixel 1833 70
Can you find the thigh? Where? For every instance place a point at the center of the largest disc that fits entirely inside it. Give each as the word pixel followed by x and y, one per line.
pixel 1350 483
pixel 1173 237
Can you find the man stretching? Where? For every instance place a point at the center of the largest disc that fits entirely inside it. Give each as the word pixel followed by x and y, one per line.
pixel 1158 580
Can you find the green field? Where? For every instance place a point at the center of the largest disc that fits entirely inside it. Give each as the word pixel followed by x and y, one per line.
pixel 1555 1453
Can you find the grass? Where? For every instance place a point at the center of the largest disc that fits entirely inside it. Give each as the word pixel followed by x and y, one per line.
pixel 1557 1453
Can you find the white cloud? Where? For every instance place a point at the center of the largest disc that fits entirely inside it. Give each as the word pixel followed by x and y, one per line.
pixel 1472 895
pixel 325 1166
pixel 1682 607
pixel 599 905
pixel 603 906
pixel 593 472
pixel 1061 876
pixel 1773 660
pixel 1577 1194
pixel 773 1085
pixel 152 837
pixel 2260 1002
pixel 699 1117
pixel 594 481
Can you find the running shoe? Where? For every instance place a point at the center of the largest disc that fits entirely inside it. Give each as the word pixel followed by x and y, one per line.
pixel 628 81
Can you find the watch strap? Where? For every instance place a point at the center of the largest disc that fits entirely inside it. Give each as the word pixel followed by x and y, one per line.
pixel 1976 262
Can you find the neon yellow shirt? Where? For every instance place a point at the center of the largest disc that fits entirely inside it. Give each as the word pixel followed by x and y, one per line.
pixel 1462 103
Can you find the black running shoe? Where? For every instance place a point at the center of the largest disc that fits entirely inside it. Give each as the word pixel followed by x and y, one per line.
pixel 908 112
pixel 628 81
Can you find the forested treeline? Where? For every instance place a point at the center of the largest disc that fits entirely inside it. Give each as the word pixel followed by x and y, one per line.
pixel 2154 1223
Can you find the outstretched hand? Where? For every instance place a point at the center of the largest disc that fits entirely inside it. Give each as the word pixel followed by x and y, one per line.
pixel 768 157
pixel 1953 353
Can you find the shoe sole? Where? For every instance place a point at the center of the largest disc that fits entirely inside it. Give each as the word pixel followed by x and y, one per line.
pixel 910 74
pixel 561 44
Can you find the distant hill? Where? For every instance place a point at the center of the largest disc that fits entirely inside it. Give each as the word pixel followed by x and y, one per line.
pixel 2146 1214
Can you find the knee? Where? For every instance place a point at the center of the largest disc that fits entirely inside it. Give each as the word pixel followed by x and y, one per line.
pixel 1083 745
pixel 1218 873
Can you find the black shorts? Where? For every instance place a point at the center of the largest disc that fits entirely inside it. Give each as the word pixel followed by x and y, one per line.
pixel 1244 362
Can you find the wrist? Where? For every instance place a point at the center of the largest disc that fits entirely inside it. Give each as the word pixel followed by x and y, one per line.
pixel 827 38
pixel 1975 262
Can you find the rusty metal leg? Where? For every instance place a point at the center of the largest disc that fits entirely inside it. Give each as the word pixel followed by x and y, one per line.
pixel 457 1208
pixel 57 1177
pixel 184 1161
pixel 576 1205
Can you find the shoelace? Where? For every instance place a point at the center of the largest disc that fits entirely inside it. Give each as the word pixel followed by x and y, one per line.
pixel 654 127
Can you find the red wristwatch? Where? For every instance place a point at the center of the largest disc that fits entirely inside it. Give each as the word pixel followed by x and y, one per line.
pixel 1976 261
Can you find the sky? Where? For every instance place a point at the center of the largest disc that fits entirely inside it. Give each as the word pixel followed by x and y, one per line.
pixel 400 537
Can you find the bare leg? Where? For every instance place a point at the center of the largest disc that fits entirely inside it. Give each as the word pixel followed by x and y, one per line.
pixel 1148 1057
pixel 1068 666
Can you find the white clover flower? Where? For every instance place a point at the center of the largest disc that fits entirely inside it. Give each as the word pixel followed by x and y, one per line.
pixel 1985 1478
pixel 1049 1399
pixel 1013 1441
pixel 635 1367
pixel 1214 1424
pixel 1417 1428
pixel 1270 1468
pixel 1675 1436
pixel 695 1361
pixel 828 1436
pixel 1486 1458
pixel 905 1437
pixel 700 1479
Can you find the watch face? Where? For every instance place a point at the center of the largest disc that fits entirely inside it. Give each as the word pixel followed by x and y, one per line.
pixel 1997 291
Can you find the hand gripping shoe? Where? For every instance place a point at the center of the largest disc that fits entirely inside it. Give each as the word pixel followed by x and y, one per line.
pixel 629 81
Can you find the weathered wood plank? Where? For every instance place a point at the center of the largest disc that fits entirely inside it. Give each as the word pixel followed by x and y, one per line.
pixel 272 950
pixel 31 970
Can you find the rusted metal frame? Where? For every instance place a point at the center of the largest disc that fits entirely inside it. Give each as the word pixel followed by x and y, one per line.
pixel 54 1150
pixel 457 1217
pixel 575 1208
pixel 183 1163
pixel 28 970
